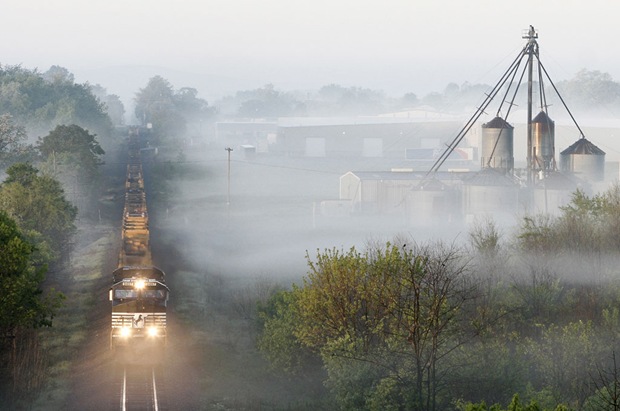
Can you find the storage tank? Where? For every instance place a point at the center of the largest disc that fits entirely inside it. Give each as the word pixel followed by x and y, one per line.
pixel 433 202
pixel 552 192
pixel 491 193
pixel 543 142
pixel 497 147
pixel 584 160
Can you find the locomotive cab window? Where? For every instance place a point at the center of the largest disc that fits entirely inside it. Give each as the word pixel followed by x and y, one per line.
pixel 159 294
pixel 123 294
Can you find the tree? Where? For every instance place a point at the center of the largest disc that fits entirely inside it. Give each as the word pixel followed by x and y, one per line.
pixel 113 105
pixel 515 405
pixel 58 74
pixel 13 138
pixel 564 357
pixel 607 385
pixel 155 104
pixel 277 341
pixel 266 102
pixel 397 308
pixel 351 100
pixel 585 224
pixel 410 100
pixel 191 106
pixel 38 204
pixel 81 147
pixel 72 155
pixel 40 102
pixel 22 303
pixel 590 89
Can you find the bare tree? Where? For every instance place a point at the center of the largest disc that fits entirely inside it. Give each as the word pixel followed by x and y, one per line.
pixel 607 386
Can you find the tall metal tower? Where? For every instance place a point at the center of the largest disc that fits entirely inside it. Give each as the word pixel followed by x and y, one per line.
pixel 540 129
pixel 531 49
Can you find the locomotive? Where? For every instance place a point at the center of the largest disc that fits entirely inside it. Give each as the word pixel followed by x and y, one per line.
pixel 139 293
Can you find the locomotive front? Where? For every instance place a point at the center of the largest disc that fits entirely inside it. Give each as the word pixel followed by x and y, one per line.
pixel 139 298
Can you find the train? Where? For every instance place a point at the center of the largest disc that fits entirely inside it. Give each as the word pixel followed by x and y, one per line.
pixel 139 294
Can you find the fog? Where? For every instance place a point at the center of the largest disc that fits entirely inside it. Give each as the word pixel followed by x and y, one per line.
pixel 223 46
pixel 273 217
pixel 257 218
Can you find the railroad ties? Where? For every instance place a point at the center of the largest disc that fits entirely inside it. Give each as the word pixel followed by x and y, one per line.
pixel 141 387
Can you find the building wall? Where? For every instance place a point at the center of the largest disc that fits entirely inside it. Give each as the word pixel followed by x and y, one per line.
pixel 362 140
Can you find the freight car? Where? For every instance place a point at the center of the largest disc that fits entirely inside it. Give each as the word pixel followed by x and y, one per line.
pixel 139 294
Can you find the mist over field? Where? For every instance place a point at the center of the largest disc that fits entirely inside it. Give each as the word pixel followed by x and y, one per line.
pixel 316 258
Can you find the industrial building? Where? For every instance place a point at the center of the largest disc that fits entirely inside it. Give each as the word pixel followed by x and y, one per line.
pixel 444 168
pixel 496 188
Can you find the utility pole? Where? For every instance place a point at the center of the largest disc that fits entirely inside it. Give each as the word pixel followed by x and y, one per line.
pixel 228 195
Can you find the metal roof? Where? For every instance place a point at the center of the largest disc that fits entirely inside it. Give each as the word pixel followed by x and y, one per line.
pixel 542 117
pixel 409 175
pixel 490 177
pixel 583 146
pixel 497 122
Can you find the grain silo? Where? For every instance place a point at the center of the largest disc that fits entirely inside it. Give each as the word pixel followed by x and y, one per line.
pixel 584 160
pixel 497 148
pixel 490 193
pixel 552 192
pixel 543 142
pixel 432 202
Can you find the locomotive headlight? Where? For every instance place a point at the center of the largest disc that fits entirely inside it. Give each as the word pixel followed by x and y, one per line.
pixel 153 331
pixel 139 284
pixel 125 332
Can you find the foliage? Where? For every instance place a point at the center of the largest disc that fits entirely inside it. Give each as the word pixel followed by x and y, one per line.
pixel 40 102
pixel 277 341
pixel 74 148
pixel 350 100
pixel 24 306
pixel 607 385
pixel 168 111
pixel 267 102
pixel 563 358
pixel 22 303
pixel 13 137
pixel 390 315
pixel 113 105
pixel 38 204
pixel 485 237
pixel 590 89
pixel 515 405
pixel 585 224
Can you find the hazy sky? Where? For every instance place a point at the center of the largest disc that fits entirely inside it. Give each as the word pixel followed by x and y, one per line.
pixel 398 46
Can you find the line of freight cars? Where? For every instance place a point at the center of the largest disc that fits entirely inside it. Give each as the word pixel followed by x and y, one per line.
pixel 139 294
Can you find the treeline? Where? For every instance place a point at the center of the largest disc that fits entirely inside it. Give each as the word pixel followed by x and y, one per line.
pixel 172 114
pixel 41 101
pixel 50 162
pixel 441 326
pixel 53 132
pixel 589 91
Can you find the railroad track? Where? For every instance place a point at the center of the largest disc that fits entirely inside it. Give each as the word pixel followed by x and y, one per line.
pixel 141 388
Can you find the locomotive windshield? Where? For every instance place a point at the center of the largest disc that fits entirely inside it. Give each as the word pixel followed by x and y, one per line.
pixel 125 294
pixel 160 294
pixel 134 294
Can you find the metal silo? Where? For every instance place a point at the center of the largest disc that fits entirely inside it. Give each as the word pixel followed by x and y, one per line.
pixel 497 148
pixel 543 142
pixel 584 160
pixel 553 192
pixel 433 202
pixel 490 193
